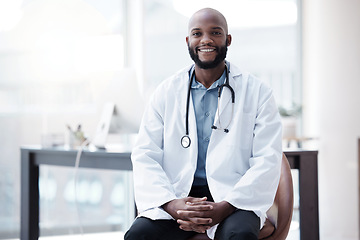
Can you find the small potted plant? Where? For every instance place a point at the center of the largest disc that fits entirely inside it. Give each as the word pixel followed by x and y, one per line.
pixel 289 117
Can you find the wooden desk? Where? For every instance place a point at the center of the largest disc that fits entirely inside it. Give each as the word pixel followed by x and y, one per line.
pixel 306 163
pixel 33 157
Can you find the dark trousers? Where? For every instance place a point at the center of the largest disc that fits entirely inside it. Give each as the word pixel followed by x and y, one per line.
pixel 241 225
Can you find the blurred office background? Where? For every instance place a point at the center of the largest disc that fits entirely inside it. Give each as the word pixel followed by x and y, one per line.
pixel 60 58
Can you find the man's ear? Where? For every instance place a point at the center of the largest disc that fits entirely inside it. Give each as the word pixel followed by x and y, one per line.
pixel 187 40
pixel 229 38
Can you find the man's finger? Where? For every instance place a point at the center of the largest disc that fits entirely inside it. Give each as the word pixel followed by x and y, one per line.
pixel 190 226
pixel 195 200
pixel 196 208
pixel 195 219
pixel 206 205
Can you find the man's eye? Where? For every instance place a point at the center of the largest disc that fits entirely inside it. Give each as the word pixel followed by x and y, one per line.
pixel 216 33
pixel 196 34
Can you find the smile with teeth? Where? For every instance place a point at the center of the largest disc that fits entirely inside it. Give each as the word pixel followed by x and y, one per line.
pixel 207 50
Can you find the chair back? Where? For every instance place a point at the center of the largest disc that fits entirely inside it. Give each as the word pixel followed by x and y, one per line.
pixel 280 213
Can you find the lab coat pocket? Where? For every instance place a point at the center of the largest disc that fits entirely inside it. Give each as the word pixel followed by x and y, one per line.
pixel 245 132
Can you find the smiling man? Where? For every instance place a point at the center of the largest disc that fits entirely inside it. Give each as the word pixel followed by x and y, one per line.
pixel 211 49
pixel 208 153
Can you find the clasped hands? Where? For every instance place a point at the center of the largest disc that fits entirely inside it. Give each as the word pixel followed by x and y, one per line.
pixel 197 214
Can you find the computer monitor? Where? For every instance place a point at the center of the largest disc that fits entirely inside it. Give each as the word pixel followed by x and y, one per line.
pixel 122 109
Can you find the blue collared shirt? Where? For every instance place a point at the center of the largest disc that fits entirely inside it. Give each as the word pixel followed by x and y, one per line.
pixel 205 105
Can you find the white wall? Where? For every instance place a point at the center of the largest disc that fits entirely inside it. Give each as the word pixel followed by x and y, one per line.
pixel 331 64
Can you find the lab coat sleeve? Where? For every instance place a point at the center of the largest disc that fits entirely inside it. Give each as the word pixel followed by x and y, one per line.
pixel 151 184
pixel 256 189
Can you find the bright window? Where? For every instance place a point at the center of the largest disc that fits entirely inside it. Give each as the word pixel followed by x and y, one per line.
pixel 265 40
pixel 55 55
pixel 56 58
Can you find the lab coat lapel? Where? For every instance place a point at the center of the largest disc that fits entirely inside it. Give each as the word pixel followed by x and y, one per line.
pixel 192 125
pixel 225 99
pixel 182 92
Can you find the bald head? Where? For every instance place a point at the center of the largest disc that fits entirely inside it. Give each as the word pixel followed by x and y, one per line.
pixel 207 15
pixel 208 40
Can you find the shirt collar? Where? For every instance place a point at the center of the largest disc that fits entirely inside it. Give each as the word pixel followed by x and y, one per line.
pixel 197 85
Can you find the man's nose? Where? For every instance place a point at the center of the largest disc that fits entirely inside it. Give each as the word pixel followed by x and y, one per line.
pixel 206 39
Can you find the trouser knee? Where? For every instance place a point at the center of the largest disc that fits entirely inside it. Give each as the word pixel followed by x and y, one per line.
pixel 146 229
pixel 238 235
pixel 241 225
pixel 133 234
pixel 139 234
pixel 139 230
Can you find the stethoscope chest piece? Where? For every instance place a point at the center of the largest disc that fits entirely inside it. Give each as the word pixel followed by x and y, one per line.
pixel 185 141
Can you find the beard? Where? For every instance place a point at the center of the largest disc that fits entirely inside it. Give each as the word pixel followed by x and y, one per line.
pixel 220 57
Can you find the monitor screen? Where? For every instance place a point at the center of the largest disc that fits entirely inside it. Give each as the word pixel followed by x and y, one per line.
pixel 122 108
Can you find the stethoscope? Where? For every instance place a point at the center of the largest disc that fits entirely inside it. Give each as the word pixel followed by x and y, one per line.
pixel 185 140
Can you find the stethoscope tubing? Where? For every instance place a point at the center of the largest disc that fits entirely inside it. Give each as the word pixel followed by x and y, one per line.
pixel 185 140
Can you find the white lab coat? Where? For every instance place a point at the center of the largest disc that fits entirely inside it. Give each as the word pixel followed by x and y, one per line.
pixel 242 166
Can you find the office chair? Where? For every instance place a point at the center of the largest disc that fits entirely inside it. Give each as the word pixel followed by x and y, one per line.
pixel 279 216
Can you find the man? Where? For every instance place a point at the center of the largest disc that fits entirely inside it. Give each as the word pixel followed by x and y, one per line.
pixel 202 164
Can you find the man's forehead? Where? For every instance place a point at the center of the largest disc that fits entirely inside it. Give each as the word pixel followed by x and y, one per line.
pixel 207 18
pixel 203 27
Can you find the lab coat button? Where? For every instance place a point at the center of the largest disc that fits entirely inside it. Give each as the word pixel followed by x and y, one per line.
pixel 183 195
